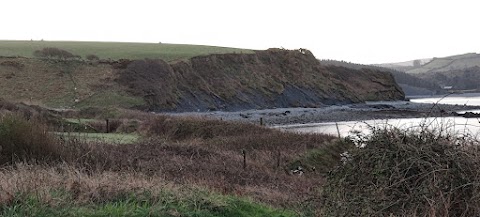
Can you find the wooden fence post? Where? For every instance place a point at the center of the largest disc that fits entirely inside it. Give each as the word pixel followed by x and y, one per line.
pixel 107 125
pixel 244 153
pixel 338 129
pixel 278 158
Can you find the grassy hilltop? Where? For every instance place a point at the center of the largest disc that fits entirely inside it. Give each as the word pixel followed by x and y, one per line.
pixel 116 50
pixel 449 63
pixel 57 83
pixel 460 72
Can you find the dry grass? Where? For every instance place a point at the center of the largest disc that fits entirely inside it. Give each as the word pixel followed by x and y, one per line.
pixel 210 152
pixel 40 181
pixel 185 151
pixel 64 84
pixel 63 190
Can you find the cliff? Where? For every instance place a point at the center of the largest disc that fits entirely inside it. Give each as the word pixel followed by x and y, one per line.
pixel 265 79
pixel 234 81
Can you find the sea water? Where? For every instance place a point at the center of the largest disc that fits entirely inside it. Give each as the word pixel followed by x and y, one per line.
pixel 451 125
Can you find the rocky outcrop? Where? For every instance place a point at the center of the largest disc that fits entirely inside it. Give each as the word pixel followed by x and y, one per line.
pixel 265 79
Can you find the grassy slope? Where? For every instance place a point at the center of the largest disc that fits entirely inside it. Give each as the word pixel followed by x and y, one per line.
pixel 449 63
pixel 53 84
pixel 59 84
pixel 115 50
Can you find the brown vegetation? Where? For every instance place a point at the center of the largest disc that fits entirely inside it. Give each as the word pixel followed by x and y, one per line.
pixel 92 57
pixel 20 181
pixel 52 52
pixel 23 140
pixel 187 151
pixel 400 173
pixel 209 153
pixel 49 117
pixel 153 80
pixel 397 173
pixel 13 64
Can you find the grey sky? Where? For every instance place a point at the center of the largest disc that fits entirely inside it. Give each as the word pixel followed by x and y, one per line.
pixel 362 31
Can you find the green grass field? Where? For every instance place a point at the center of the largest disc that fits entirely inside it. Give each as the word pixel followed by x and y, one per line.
pixel 446 64
pixel 113 138
pixel 193 203
pixel 116 50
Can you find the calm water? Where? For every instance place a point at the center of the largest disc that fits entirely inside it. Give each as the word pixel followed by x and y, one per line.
pixel 472 99
pixel 453 125
pixel 457 125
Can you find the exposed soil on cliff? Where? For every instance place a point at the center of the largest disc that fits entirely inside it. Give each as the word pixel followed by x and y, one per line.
pixel 265 79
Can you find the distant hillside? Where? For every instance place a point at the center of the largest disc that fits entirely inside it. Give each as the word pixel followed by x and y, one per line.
pixel 410 84
pixel 457 79
pixel 450 63
pixel 459 72
pixel 443 64
pixel 116 50
pixel 405 66
pixel 264 79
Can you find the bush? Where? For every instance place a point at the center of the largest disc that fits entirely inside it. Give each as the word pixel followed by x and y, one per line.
pixel 92 57
pixel 400 173
pixel 155 80
pixel 180 128
pixel 101 126
pixel 52 52
pixel 25 140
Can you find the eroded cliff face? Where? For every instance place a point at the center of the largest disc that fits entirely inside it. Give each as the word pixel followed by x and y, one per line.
pixel 266 79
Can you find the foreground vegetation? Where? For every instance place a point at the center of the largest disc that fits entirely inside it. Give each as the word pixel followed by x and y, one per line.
pixel 406 173
pixel 181 166
pixel 63 190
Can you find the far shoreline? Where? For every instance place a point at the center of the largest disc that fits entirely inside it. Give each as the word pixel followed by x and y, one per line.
pixel 335 113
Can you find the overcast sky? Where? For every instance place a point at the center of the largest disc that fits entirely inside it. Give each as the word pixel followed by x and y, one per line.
pixel 361 31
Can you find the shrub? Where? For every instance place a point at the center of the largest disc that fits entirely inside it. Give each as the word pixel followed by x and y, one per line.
pixel 404 173
pixel 92 57
pixel 22 139
pixel 101 126
pixel 179 128
pixel 28 140
pixel 52 52
pixel 155 80
pixel 13 64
